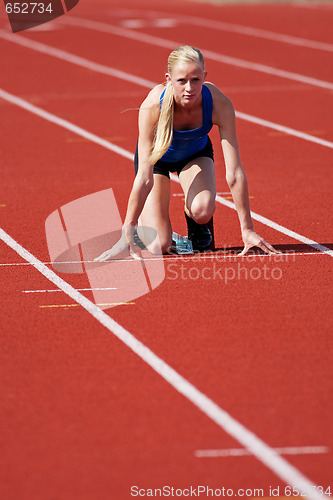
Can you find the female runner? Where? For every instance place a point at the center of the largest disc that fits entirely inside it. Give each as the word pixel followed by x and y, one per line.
pixel 174 121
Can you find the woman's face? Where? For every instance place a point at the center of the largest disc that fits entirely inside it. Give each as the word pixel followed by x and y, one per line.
pixel 187 80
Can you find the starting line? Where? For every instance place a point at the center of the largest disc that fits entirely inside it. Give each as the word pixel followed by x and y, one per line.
pixel 184 258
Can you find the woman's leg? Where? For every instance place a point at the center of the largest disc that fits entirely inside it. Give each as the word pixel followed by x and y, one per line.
pixel 155 215
pixel 198 182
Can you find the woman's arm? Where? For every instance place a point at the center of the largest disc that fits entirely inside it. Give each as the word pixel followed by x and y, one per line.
pixel 224 118
pixel 144 180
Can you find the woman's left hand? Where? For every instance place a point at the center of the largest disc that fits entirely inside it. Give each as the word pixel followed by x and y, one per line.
pixel 252 239
pixel 123 246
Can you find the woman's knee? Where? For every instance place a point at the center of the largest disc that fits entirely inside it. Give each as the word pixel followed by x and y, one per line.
pixel 202 208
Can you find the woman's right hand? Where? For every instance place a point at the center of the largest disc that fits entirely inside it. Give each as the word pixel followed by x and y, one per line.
pixel 124 245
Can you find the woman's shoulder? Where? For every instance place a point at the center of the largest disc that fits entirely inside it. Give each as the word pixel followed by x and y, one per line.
pixel 218 96
pixel 223 109
pixel 153 98
pixel 150 109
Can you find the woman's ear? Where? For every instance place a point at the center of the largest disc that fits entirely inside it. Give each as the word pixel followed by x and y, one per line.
pixel 168 77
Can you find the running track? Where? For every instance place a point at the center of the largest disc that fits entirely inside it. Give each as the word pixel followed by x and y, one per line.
pixel 241 364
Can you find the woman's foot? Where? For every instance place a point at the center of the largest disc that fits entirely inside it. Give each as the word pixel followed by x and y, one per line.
pixel 200 234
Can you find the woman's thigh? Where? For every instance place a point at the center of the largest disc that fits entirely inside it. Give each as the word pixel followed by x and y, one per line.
pixel 155 215
pixel 198 183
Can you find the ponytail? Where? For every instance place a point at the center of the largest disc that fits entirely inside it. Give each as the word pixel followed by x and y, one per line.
pixel 164 129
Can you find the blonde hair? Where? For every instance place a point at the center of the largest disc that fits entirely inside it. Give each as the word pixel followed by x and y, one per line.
pixel 164 129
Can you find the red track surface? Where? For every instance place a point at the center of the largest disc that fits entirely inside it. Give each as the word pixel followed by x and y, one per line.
pixel 82 416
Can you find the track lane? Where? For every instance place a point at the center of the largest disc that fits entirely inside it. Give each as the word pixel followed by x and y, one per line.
pixel 313 23
pixel 302 116
pixel 295 101
pixel 240 44
pixel 296 59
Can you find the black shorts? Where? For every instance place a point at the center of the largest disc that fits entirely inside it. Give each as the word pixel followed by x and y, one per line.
pixel 164 167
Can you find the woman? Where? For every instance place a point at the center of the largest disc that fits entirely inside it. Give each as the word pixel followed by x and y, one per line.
pixel 174 121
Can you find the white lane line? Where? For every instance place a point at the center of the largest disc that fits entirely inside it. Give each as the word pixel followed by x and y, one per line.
pixel 122 152
pixel 209 54
pixel 259 33
pixel 74 59
pixel 21 103
pixel 285 256
pixel 230 27
pixel 269 457
pixel 280 228
pixel 241 452
pixel 58 290
pixel 66 306
pixel 314 6
pixel 285 130
pixel 85 63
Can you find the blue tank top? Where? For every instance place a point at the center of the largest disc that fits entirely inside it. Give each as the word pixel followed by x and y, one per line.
pixel 188 142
